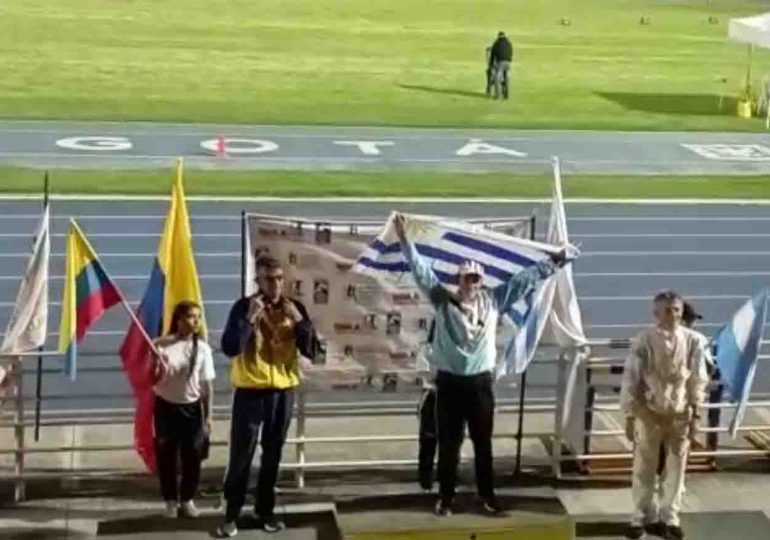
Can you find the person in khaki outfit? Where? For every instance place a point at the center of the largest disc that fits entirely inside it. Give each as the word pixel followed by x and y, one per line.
pixel 664 383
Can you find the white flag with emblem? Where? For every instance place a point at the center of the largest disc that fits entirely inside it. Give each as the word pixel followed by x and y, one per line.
pixel 28 325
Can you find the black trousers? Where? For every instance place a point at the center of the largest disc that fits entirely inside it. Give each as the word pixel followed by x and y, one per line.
pixel 176 428
pixel 713 415
pixel 428 437
pixel 460 400
pixel 254 410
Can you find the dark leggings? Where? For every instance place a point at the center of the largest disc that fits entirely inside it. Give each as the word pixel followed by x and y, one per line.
pixel 176 427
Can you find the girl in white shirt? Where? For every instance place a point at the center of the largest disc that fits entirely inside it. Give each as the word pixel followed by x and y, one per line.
pixel 184 398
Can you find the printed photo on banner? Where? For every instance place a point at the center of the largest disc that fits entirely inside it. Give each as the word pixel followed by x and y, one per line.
pixel 370 321
pixel 350 291
pixel 393 325
pixel 296 288
pixel 321 291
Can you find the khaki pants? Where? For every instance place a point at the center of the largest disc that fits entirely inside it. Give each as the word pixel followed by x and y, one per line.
pixel 650 433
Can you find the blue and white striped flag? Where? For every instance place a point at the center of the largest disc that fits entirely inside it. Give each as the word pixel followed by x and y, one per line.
pixel 446 244
pixel 737 345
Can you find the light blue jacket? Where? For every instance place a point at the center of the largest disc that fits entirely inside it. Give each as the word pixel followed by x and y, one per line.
pixel 453 351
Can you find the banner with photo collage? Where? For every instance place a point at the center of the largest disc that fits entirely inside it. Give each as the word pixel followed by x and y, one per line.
pixel 373 335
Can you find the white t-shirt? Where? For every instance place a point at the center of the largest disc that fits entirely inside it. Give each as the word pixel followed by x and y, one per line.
pixel 179 388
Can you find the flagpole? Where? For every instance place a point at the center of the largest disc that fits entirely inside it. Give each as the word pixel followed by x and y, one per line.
pixel 39 378
pixel 135 319
pixel 244 255
pixel 523 388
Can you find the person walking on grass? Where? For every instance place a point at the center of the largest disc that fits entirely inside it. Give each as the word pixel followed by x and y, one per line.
pixel 500 59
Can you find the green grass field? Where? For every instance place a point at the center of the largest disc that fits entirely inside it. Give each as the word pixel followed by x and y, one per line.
pixel 384 62
pixel 323 184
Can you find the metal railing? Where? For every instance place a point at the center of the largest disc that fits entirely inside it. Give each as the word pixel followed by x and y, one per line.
pixel 587 366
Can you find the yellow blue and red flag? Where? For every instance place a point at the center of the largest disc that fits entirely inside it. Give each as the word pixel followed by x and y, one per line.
pixel 88 293
pixel 173 278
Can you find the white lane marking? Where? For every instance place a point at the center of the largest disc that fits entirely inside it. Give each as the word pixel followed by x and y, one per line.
pixel 674 253
pixel 721 275
pixel 96 143
pixel 88 197
pixel 731 152
pixel 368 148
pixel 478 147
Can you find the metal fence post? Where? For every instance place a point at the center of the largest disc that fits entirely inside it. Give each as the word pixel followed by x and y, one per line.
pixel 589 413
pixel 300 435
pixel 18 429
pixel 561 384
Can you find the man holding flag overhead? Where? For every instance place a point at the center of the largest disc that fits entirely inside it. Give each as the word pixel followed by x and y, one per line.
pixel 464 351
pixel 173 279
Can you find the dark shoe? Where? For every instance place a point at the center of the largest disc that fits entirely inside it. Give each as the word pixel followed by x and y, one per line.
pixel 635 532
pixel 491 507
pixel 656 529
pixel 271 524
pixel 673 532
pixel 427 487
pixel 443 508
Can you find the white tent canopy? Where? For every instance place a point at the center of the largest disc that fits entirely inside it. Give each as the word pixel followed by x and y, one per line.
pixel 753 30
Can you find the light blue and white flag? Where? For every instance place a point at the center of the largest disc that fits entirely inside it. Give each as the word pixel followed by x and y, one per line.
pixel 446 244
pixel 28 325
pixel 554 313
pixel 737 345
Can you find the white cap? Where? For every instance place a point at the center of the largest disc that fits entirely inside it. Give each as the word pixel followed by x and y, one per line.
pixel 469 268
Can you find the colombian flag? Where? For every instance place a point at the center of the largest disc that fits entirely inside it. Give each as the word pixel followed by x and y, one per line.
pixel 88 292
pixel 173 278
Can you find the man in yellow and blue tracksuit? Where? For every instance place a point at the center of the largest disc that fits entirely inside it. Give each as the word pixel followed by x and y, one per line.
pixel 265 333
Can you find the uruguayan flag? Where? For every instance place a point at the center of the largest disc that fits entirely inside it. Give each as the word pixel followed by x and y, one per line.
pixel 446 244
pixel 737 345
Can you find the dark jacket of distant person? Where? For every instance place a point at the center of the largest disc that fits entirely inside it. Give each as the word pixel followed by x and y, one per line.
pixel 502 50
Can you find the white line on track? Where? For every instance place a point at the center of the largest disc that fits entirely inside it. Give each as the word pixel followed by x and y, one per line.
pixel 722 275
pixel 86 197
pixel 645 298
pixel 675 253
pixel 540 236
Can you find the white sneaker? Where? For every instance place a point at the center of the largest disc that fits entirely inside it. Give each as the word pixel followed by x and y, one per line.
pixel 227 530
pixel 172 510
pixel 189 510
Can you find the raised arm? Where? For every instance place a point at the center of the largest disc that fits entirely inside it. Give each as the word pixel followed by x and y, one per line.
pixel 518 285
pixel 423 274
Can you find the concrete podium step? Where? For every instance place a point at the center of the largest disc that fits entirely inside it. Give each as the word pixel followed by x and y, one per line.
pixel 534 515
